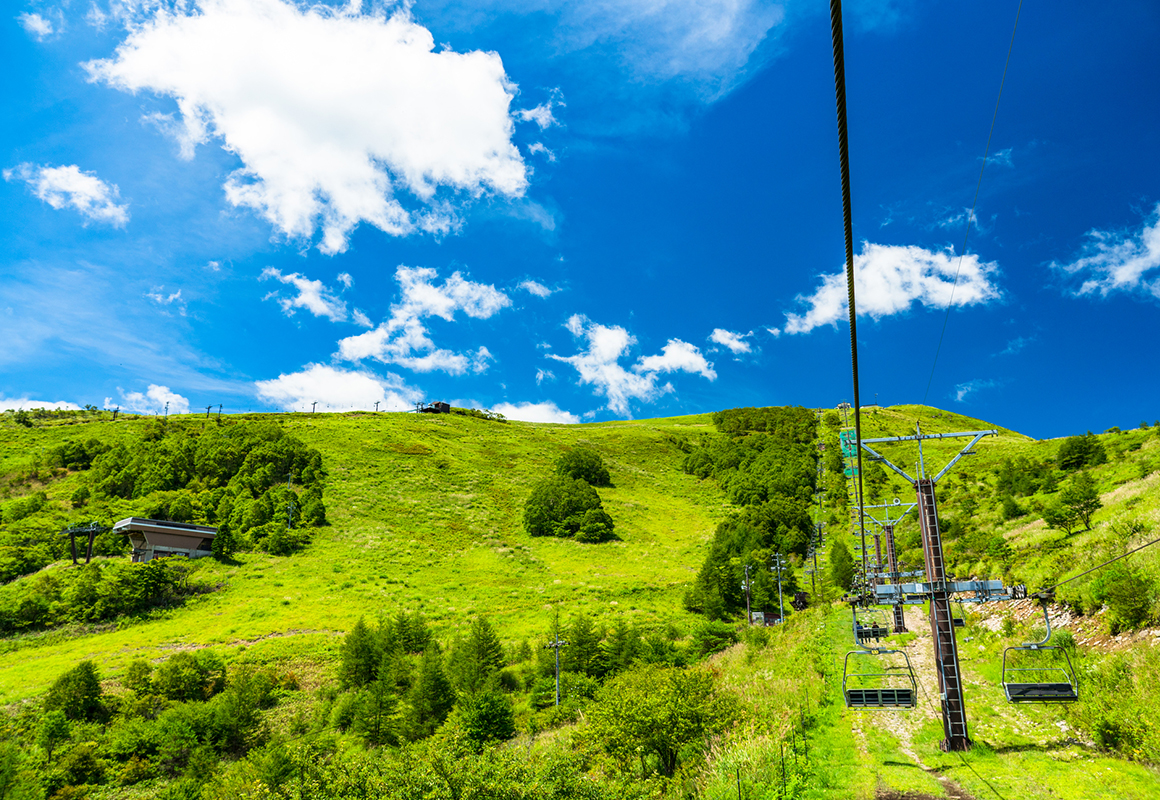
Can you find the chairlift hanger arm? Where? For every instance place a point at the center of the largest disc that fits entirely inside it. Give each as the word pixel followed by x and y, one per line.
pixel 889 439
pixel 978 435
pixel 879 457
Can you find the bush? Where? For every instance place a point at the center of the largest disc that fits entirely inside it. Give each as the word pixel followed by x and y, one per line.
pixel 487 717
pixel 585 465
pixel 559 506
pixel 77 693
pixel 190 676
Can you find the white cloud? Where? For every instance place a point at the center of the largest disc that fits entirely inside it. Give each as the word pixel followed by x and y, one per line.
pixel 539 147
pixel 538 289
pixel 889 279
pixel 345 279
pixel 544 375
pixel 1016 344
pixel 963 390
pixel 734 341
pixel 37 25
pixel 541 115
pixel 536 412
pixel 14 404
pixel 404 335
pixel 338 390
pixel 159 296
pixel 1001 158
pixel 1124 261
pixel 68 186
pixel 599 364
pixel 152 401
pixel 361 319
pixel 313 296
pixel 338 117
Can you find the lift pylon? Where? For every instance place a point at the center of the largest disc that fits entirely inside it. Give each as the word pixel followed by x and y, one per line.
pixel 887 532
pixel 946 655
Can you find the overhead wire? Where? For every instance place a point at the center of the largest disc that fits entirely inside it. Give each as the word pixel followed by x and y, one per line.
pixel 974 205
pixel 847 218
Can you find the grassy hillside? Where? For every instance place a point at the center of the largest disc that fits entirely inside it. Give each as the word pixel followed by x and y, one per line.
pixel 425 514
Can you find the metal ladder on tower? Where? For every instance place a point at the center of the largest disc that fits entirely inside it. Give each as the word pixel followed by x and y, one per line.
pixel 942 624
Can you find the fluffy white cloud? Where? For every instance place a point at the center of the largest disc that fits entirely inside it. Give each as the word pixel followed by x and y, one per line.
pixel 13 404
pixel 37 25
pixel 599 364
pixel 314 296
pixel 734 341
pixel 67 186
pixel 154 400
pixel 536 412
pixel 1127 261
pixel 539 147
pixel 403 339
pixel 337 390
pixel 174 299
pixel 538 289
pixel 888 279
pixel 337 116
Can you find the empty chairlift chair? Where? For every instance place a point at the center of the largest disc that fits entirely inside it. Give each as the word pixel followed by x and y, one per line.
pixel 1048 680
pixel 888 683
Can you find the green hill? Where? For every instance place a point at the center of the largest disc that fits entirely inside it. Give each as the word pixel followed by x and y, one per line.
pixel 425 515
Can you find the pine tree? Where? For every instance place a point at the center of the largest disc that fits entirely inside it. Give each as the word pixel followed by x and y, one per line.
pixel 479 658
pixel 360 656
pixel 432 696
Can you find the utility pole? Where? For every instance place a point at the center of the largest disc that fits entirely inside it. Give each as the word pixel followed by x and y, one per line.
pixel 312 405
pixel 290 505
pixel 777 565
pixel 207 408
pixel 946 653
pixel 167 409
pixel 219 418
pixel 746 586
pixel 556 644
pixel 116 411
pixel 376 406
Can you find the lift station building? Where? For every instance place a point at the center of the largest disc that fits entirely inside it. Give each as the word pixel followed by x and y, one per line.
pixel 156 538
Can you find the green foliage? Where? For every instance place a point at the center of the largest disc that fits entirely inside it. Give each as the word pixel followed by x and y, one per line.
pixel 432 697
pixel 361 654
pixel 1081 496
pixel 1023 476
pixel 1129 595
pixel 95 592
pixel 713 636
pixel 1077 452
pixel 560 506
pixel 841 563
pixel 477 660
pixel 1078 500
pixel 77 693
pixel 653 716
pixel 487 717
pixel 795 424
pixel 190 676
pixel 584 464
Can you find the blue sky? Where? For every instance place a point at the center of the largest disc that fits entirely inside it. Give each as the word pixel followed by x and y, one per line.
pixel 579 211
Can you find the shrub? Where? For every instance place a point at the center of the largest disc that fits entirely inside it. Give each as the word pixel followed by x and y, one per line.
pixel 487 717
pixel 558 507
pixel 77 693
pixel 584 464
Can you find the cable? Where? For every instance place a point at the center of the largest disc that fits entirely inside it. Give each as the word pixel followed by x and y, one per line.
pixel 1098 566
pixel 847 218
pixel 974 204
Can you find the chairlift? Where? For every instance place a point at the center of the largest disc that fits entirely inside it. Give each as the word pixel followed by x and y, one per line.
pixel 892 686
pixel 1044 690
pixel 959 620
pixel 871 627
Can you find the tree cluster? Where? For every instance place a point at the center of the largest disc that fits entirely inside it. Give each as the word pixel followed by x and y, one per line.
pixel 566 504
pixel 768 467
pixel 92 593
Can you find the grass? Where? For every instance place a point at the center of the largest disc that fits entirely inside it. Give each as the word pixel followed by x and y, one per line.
pixel 426 513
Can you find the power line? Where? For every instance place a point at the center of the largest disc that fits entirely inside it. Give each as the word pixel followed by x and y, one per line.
pixel 974 204
pixel 1099 566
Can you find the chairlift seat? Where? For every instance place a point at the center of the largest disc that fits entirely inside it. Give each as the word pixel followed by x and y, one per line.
pixel 880 698
pixel 872 631
pixel 1040 692
pixel 959 622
